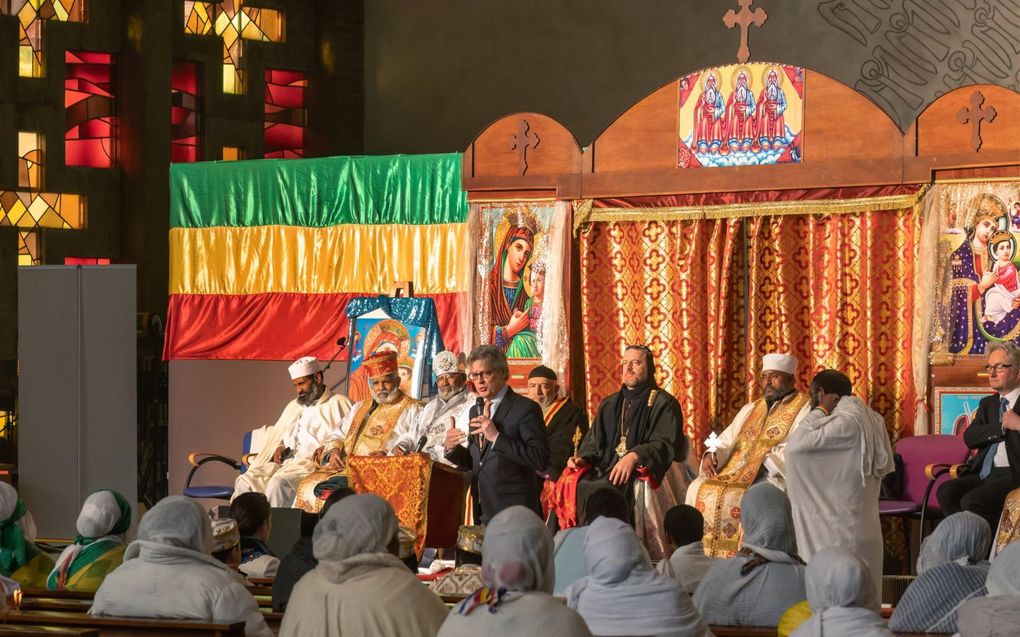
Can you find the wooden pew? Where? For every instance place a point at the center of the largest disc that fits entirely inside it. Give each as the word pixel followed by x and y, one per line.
pixel 47 631
pixel 119 626
pixel 742 631
pixel 262 596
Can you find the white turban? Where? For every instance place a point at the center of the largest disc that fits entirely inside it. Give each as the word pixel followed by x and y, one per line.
pixel 357 524
pixel 101 514
pixel 517 552
pixel 306 366
pixel 8 501
pixel 446 362
pixel 779 363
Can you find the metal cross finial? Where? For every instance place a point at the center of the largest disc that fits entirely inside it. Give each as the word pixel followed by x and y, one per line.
pixel 745 18
pixel 974 116
pixel 521 141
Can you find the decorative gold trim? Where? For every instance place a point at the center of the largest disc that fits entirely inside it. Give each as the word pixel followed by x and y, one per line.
pixel 582 212
pixel 975 181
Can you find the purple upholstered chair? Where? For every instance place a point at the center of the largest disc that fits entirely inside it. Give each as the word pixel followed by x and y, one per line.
pixel 928 461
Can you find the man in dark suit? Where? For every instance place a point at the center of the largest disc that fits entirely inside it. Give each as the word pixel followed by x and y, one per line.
pixel 995 433
pixel 507 446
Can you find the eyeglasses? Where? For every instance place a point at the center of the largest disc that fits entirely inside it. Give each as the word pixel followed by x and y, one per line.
pixel 486 374
pixel 998 368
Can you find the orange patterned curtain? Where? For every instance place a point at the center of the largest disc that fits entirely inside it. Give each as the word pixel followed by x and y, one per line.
pixel 836 291
pixel 678 287
pixel 709 296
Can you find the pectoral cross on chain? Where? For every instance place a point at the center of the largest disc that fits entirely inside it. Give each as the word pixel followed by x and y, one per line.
pixel 974 116
pixel 744 18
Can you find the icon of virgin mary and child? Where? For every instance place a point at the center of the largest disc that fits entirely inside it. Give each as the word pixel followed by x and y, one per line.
pixel 516 287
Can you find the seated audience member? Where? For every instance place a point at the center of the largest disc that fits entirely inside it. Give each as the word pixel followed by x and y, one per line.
pixel 839 590
pixel 951 569
pixel 227 543
pixel 360 586
pixel 255 522
pixel 20 559
pixel 997 614
pixel 517 568
pixel 765 577
pixel 301 558
pixel 99 547
pixel 685 526
pixel 623 595
pixel 568 551
pixel 169 573
pixel 466 578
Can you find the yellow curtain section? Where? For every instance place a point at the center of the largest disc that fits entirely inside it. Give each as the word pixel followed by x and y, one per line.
pixel 677 287
pixel 343 258
pixel 837 291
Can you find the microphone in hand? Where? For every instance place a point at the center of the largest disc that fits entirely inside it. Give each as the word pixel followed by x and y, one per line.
pixel 476 411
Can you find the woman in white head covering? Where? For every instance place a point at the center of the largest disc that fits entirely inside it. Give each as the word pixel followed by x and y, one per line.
pixel 623 595
pixel 517 568
pixel 360 587
pixel 951 569
pixel 839 590
pixel 765 577
pixel 20 559
pixel 99 547
pixel 998 614
pixel 169 573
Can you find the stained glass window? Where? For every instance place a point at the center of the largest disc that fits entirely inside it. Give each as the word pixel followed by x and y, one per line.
pixel 28 248
pixel 233 23
pixel 234 153
pixel 30 160
pixel 89 110
pixel 31 16
pixel 42 209
pixel 185 113
pixel 285 117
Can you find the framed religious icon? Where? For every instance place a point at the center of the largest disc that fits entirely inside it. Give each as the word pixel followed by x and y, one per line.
pixel 377 331
pixel 955 408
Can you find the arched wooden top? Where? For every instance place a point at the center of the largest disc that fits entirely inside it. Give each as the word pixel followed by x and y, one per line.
pixel 526 151
pixel 945 128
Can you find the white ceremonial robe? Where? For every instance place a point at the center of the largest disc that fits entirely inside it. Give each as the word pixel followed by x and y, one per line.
pixel 834 472
pixel 303 429
pixel 775 461
pixel 405 428
pixel 433 421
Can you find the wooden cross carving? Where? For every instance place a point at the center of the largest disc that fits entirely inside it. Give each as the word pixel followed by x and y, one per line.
pixel 521 141
pixel 744 18
pixel 974 116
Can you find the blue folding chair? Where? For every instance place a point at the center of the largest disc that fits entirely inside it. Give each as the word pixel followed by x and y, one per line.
pixel 216 492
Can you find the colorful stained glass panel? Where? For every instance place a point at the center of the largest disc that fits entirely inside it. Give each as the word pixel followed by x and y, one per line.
pixel 90 136
pixel 31 16
pixel 285 114
pixel 185 113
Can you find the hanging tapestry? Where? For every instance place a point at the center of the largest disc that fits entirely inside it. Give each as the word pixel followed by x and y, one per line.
pixel 265 255
pixel 521 257
pixel 976 291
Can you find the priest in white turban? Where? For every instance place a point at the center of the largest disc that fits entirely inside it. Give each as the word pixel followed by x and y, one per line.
pixel 360 588
pixel 287 455
pixel 751 449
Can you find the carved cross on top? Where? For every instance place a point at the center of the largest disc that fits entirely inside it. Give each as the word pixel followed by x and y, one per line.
pixel 974 116
pixel 745 18
pixel 521 141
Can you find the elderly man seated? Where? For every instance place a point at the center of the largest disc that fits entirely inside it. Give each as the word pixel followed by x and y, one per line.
pixel 359 586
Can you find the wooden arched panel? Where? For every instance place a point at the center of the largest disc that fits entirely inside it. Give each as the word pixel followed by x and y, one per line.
pixel 957 125
pixel 524 151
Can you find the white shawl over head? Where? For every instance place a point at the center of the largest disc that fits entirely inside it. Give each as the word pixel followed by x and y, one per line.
pixel 623 595
pixel 517 552
pixel 767 519
pixel 996 616
pixel 1004 575
pixel 838 586
pixel 962 537
pixel 357 525
pixel 176 529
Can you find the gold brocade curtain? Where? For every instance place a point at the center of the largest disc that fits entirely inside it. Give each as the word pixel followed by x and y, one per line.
pixel 709 296
pixel 677 287
pixel 836 291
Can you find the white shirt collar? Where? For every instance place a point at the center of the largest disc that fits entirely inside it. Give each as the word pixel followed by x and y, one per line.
pixel 1012 396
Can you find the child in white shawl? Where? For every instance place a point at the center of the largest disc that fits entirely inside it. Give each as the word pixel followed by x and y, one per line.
pixel 998 614
pixel 518 571
pixel 839 590
pixel 623 595
pixel 766 577
pixel 951 569
pixel 360 587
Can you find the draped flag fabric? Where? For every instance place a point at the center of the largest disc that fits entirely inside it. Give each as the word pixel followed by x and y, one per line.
pixel 265 255
pixel 712 284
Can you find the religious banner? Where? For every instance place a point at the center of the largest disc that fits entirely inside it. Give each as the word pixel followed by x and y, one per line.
pixel 741 115
pixel 521 258
pixel 261 269
pixel 976 293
